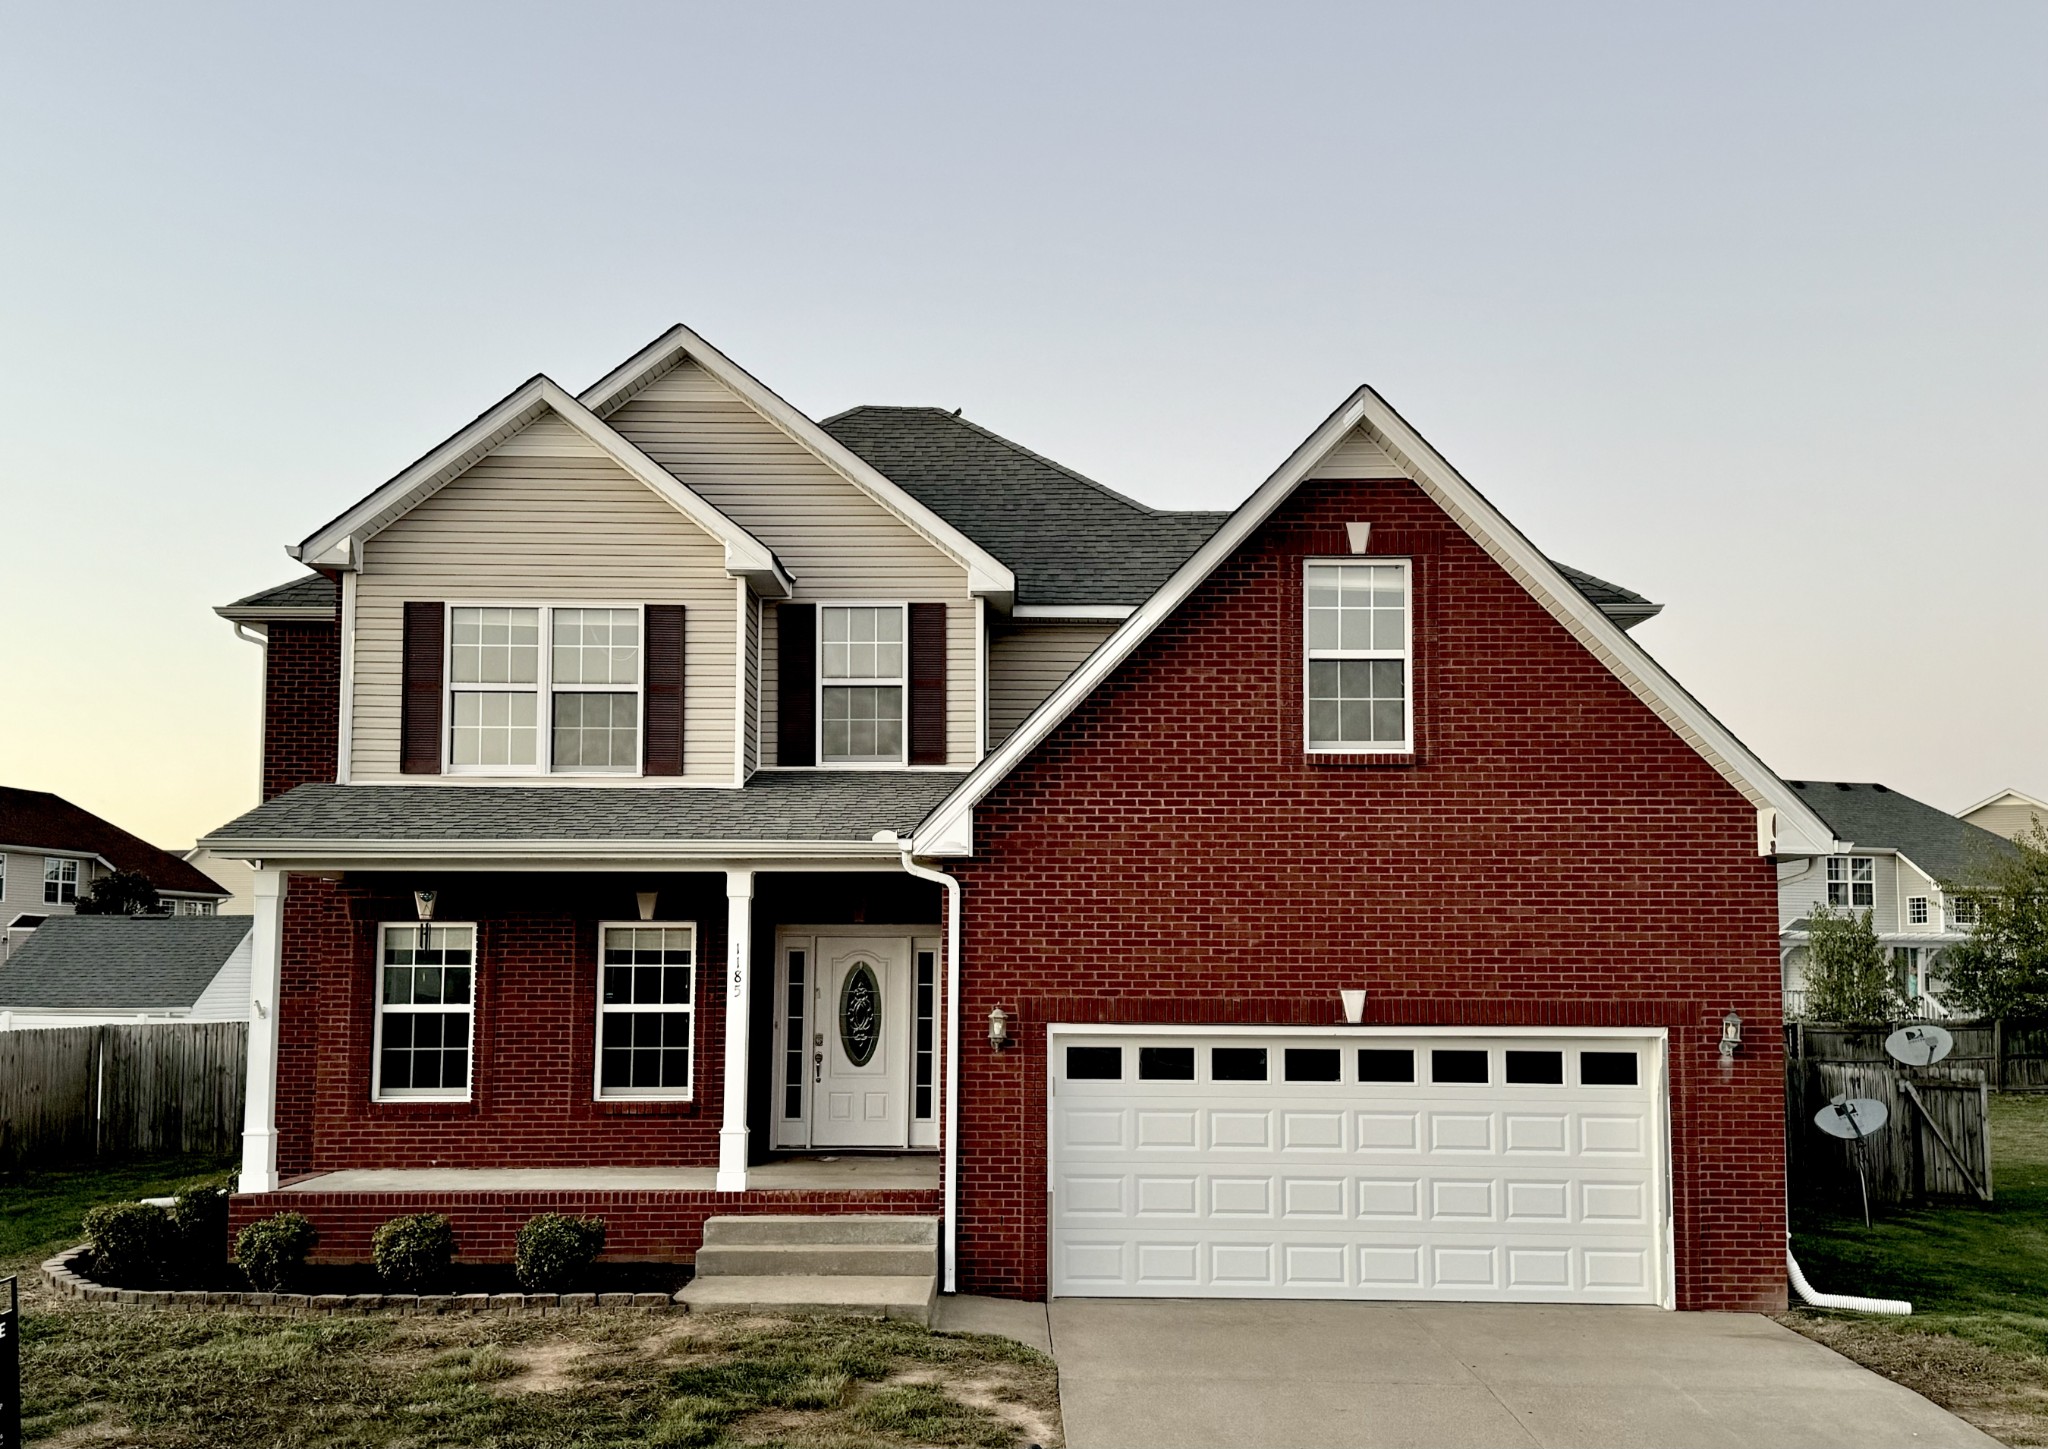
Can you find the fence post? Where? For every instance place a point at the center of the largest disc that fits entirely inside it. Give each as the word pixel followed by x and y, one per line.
pixel 1998 1051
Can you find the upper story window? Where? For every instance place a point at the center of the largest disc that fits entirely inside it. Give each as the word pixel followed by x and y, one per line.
pixel 1852 880
pixel 1916 910
pixel 860 684
pixel 1962 911
pixel 191 908
pixel 585 685
pixel 60 881
pixel 1358 631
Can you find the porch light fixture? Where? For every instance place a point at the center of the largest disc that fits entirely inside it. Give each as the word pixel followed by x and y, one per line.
pixel 1731 1034
pixel 423 902
pixel 998 1028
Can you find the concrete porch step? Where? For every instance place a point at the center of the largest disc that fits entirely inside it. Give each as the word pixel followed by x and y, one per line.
pixel 815 1260
pixel 892 1296
pixel 788 1229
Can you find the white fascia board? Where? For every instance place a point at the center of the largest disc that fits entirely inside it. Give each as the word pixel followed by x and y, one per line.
pixel 987 575
pixel 285 852
pixel 1794 828
pixel 2000 798
pixel 1072 613
pixel 339 544
pixel 274 616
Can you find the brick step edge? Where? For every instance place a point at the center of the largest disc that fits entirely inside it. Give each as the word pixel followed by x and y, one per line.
pixel 59 1274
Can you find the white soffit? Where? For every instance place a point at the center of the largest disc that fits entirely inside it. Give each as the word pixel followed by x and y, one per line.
pixel 1786 824
pixel 339 544
pixel 986 574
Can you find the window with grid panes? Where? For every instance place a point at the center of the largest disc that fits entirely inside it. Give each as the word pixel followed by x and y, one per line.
pixel 646 1009
pixel 426 1010
pixel 1852 880
pixel 860 670
pixel 1356 625
pixel 585 682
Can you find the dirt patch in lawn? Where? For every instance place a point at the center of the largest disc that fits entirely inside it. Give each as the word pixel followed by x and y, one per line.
pixel 1020 1395
pixel 2003 1393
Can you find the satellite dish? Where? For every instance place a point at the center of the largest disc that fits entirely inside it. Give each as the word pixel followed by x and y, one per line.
pixel 1920 1046
pixel 1852 1118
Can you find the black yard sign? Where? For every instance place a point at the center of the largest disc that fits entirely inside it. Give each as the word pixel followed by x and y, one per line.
pixel 10 1369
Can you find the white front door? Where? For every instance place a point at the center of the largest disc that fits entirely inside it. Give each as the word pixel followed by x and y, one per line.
pixel 861 1009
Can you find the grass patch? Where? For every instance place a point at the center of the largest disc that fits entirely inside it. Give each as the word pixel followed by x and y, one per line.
pixel 1976 1275
pixel 40 1207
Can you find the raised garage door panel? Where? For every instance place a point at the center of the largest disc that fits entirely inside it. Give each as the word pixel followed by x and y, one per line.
pixel 1482 1188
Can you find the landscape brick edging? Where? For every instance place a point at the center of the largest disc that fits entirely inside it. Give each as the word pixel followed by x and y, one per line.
pixel 61 1276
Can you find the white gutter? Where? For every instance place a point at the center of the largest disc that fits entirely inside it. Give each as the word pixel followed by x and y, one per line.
pixel 1893 1306
pixel 949 1252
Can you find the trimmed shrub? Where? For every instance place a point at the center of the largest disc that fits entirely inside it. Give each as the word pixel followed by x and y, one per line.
pixel 413 1253
pixel 273 1252
pixel 200 1216
pixel 134 1244
pixel 555 1252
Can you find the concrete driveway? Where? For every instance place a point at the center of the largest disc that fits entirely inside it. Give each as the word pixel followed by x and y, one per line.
pixel 1135 1374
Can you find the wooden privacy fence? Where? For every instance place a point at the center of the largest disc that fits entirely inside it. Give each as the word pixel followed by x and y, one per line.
pixel 73 1093
pixel 2011 1055
pixel 1936 1140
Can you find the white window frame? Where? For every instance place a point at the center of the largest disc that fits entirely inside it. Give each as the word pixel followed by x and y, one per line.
pixel 660 1094
pixel 378 1009
pixel 1962 911
pixel 3 875
pixel 1917 913
pixel 543 689
pixel 1841 871
pixel 58 882
pixel 1406 744
pixel 820 684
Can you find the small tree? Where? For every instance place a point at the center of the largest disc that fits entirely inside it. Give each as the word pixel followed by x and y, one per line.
pixel 124 893
pixel 2002 970
pixel 1848 978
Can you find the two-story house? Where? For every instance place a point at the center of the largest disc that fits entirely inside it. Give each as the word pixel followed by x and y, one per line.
pixel 1897 854
pixel 51 852
pixel 677 807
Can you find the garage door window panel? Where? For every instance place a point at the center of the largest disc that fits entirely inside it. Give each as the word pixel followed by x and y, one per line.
pixel 1095 1064
pixel 1608 1069
pixel 1237 1064
pixel 1166 1064
pixel 1458 1067
pixel 1535 1069
pixel 1314 1064
pixel 1386 1064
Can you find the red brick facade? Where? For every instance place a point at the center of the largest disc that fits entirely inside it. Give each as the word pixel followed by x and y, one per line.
pixel 301 704
pixel 1553 854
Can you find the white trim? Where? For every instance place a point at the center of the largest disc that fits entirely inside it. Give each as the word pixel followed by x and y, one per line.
pixel 986 574
pixel 1800 831
pixel 1072 613
pixel 259 1107
pixel 1378 1028
pixel 1309 655
pixel 2018 797
pixel 338 544
pixel 345 727
pixel 689 1091
pixel 739 946
pixel 741 726
pixel 378 1092
pixel 708 856
pixel 980 679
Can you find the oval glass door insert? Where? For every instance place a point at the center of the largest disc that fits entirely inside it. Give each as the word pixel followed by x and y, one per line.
pixel 860 1014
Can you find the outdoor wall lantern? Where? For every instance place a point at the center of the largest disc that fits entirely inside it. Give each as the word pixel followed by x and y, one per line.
pixel 1731 1034
pixel 998 1028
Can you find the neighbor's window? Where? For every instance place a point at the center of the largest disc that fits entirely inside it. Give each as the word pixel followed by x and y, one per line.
pixel 191 908
pixel 498 676
pixel 860 657
pixel 1916 910
pixel 426 1009
pixel 646 1009
pixel 1852 880
pixel 1962 910
pixel 60 881
pixel 1357 629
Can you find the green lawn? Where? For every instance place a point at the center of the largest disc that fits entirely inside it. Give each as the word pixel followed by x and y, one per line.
pixel 1976 1275
pixel 40 1208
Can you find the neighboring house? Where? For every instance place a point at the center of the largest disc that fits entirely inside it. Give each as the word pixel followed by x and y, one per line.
pixel 233 874
pixel 672 792
pixel 1896 854
pixel 51 852
pixel 102 970
pixel 2007 813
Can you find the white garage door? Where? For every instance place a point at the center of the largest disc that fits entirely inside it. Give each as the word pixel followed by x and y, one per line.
pixel 1360 1164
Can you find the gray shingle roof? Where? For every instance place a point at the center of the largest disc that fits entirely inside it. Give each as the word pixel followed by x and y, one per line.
pixel 798 806
pixel 118 963
pixel 1878 817
pixel 313 592
pixel 1625 607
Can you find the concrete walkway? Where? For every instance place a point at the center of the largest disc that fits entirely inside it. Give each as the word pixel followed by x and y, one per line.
pixel 1144 1374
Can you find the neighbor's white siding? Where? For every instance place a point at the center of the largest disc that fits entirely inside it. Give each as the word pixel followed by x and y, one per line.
pixel 1026 664
pixel 226 997
pixel 546 518
pixel 1358 456
pixel 836 542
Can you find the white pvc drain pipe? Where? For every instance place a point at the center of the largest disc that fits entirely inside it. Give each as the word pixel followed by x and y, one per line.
pixel 1839 1300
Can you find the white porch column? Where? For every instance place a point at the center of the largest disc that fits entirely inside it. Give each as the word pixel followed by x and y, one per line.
pixel 259 1120
pixel 739 947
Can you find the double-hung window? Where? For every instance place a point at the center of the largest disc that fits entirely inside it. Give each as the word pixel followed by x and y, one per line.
pixel 426 1011
pixel 860 684
pixel 1916 910
pixel 60 881
pixel 1852 880
pixel 1359 677
pixel 646 1009
pixel 571 707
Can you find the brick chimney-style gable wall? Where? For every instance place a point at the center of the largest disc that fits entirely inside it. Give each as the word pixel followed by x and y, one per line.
pixel 1553 854
pixel 301 703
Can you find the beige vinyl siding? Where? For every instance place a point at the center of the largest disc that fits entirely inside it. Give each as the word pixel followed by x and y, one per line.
pixel 1358 456
pixel 546 518
pixel 2010 818
pixel 1026 664
pixel 837 543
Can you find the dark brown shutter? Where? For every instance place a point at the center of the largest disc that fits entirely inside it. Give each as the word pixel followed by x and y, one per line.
pixel 661 753
pixel 927 684
pixel 796 684
pixel 419 717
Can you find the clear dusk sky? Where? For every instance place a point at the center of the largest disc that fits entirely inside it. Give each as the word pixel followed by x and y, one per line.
pixel 1740 305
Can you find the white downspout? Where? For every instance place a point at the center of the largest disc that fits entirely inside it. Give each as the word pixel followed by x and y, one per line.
pixel 950 1256
pixel 1838 1300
